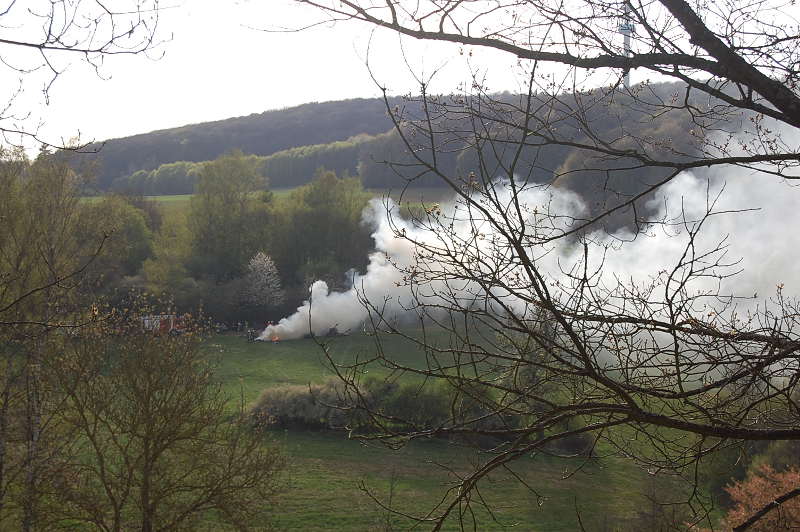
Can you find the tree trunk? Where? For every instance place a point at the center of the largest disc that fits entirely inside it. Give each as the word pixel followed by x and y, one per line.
pixel 147 507
pixel 6 397
pixel 33 428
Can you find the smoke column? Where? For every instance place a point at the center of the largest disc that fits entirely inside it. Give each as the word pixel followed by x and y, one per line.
pixel 381 284
pixel 765 239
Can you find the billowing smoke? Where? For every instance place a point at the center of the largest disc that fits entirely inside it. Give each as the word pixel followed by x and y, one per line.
pixel 382 284
pixel 756 221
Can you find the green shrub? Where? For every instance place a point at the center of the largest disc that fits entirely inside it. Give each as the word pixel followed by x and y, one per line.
pixel 578 444
pixel 315 406
pixel 386 406
pixel 419 405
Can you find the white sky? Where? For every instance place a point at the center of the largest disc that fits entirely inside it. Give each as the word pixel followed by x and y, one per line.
pixel 215 67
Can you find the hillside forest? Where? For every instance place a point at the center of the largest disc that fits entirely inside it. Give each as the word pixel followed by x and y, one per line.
pixel 196 252
pixel 292 184
pixel 359 138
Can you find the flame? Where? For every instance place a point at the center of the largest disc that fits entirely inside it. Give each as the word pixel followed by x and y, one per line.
pixel 275 338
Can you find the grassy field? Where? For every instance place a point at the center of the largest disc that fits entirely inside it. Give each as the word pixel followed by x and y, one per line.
pixel 180 198
pixel 412 194
pixel 249 367
pixel 177 203
pixel 328 473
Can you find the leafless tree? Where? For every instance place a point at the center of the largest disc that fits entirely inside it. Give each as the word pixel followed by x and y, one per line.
pixel 551 340
pixel 40 38
pixel 156 445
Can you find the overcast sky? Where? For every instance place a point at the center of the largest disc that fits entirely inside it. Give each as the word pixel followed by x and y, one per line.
pixel 217 66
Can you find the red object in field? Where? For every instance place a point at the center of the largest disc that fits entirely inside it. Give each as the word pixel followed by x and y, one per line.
pixel 163 324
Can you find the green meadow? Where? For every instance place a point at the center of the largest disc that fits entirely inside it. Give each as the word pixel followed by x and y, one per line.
pixel 331 481
pixel 411 194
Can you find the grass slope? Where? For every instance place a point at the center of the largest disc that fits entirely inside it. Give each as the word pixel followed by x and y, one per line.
pixel 328 473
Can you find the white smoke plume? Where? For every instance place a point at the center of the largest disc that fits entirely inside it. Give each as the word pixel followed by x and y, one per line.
pixel 757 223
pixel 345 311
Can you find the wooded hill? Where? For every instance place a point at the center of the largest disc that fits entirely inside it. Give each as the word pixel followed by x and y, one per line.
pixel 357 137
pixel 258 134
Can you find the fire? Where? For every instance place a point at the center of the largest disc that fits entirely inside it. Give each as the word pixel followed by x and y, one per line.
pixel 275 339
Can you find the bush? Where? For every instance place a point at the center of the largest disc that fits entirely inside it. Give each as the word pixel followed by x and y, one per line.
pixel 315 406
pixel 423 406
pixel 579 444
pixel 760 488
pixel 386 406
pixel 147 439
pixel 324 406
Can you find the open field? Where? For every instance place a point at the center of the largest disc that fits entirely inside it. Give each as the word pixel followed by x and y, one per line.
pixel 326 470
pixel 180 198
pixel 249 367
pixel 411 194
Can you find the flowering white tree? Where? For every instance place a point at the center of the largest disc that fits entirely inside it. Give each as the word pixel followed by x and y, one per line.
pixel 262 282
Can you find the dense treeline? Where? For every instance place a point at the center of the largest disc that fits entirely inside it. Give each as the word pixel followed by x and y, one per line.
pixel 197 257
pixel 202 256
pixel 179 177
pixel 260 134
pixel 392 159
pixel 364 156
pixel 283 169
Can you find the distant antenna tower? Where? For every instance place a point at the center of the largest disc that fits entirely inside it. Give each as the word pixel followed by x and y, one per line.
pixel 627 28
